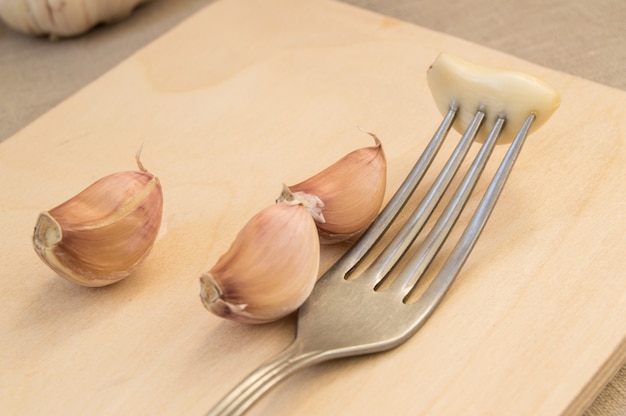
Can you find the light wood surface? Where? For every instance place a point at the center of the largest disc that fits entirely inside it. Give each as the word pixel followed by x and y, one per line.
pixel 238 100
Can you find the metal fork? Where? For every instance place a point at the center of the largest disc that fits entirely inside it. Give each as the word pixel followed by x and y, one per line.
pixel 347 317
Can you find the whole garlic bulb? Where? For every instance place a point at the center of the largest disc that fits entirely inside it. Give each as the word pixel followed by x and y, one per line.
pixel 99 236
pixel 59 18
pixel 346 196
pixel 269 270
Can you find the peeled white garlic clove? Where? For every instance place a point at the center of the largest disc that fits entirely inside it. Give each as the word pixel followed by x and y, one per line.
pixel 351 192
pixel 269 270
pixel 515 95
pixel 97 237
pixel 63 18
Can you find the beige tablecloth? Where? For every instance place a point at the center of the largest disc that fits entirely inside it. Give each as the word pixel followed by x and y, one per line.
pixel 581 37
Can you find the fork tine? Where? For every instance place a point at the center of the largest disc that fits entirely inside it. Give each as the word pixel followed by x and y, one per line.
pixel 373 233
pixel 413 271
pixel 437 289
pixel 409 231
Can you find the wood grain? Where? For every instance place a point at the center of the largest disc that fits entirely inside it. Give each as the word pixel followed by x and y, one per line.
pixel 246 95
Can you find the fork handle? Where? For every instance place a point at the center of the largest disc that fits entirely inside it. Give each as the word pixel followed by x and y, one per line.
pixel 266 376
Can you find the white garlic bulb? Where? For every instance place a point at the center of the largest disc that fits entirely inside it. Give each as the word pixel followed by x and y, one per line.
pixel 346 196
pixel 60 18
pixel 99 236
pixel 516 95
pixel 269 270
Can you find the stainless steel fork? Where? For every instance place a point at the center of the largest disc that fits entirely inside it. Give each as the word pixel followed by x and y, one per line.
pixel 346 317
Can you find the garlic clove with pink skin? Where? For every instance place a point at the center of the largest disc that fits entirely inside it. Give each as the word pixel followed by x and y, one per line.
pixel 351 193
pixel 102 234
pixel 269 270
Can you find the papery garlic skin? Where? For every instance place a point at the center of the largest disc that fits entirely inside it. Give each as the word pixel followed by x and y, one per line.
pixel 100 235
pixel 351 191
pixel 269 270
pixel 63 18
pixel 453 80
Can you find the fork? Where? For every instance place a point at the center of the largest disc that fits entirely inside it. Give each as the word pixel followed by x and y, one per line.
pixel 347 315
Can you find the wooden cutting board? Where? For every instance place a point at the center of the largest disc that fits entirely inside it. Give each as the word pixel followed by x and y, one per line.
pixel 244 96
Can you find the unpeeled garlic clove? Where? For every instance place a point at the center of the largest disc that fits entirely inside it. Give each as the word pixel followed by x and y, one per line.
pixel 269 270
pixel 97 237
pixel 516 95
pixel 350 193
